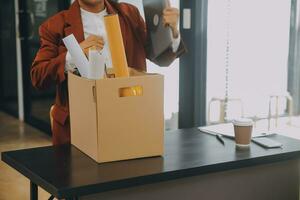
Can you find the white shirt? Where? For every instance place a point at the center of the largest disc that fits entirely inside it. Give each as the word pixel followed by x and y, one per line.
pixel 93 24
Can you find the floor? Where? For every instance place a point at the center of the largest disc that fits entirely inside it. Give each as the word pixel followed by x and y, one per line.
pixel 16 135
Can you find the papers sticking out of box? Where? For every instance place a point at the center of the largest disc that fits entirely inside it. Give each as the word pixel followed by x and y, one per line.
pixel 77 54
pixel 96 65
pixel 92 68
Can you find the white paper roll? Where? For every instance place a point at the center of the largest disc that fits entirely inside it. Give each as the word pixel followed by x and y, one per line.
pixel 77 54
pixel 97 67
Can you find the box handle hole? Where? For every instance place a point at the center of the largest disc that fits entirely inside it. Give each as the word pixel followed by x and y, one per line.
pixel 131 91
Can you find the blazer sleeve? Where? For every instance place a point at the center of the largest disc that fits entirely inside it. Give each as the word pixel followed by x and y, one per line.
pixel 167 57
pixel 48 66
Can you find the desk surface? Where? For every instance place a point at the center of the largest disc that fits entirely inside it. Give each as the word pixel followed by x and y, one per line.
pixel 65 171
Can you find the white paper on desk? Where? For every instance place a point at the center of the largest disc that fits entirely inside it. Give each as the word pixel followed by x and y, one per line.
pixel 96 63
pixel 77 54
pixel 227 130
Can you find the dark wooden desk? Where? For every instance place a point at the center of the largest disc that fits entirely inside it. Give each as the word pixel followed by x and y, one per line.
pixel 65 172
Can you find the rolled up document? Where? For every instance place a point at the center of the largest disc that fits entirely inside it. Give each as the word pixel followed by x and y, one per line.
pixel 117 51
pixel 97 64
pixel 77 55
pixel 116 45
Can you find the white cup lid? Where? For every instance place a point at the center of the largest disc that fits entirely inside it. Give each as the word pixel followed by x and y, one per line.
pixel 243 122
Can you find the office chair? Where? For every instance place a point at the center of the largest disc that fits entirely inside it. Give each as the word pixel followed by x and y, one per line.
pixel 51 118
pixel 223 102
pixel 289 108
pixel 51 124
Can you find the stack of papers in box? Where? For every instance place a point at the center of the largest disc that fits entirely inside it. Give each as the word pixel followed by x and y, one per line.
pixel 92 68
pixel 227 130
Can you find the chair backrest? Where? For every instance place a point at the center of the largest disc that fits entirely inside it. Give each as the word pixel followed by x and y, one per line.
pixel 51 118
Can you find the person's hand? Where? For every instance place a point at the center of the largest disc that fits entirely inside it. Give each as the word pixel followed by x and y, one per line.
pixel 92 41
pixel 171 19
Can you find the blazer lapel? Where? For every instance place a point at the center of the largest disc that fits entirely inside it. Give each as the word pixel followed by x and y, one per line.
pixel 109 7
pixel 74 22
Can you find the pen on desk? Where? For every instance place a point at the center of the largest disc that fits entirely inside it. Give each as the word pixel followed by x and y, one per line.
pixel 220 138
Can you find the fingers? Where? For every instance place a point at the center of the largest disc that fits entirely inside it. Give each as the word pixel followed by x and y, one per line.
pixel 88 45
pixel 93 41
pixel 94 37
pixel 87 50
pixel 171 17
pixel 171 11
pixel 170 20
pixel 99 47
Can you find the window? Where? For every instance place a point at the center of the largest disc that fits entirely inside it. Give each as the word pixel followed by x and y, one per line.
pixel 248 45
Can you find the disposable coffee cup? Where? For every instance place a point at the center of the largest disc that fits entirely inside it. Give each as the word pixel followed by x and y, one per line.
pixel 243 132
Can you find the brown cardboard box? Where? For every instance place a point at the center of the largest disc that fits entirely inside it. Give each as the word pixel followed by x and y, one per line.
pixel 108 127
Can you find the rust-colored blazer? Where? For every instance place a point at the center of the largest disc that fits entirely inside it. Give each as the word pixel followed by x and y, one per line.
pixel 49 64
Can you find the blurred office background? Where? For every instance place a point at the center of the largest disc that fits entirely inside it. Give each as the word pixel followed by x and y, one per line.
pixel 242 60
